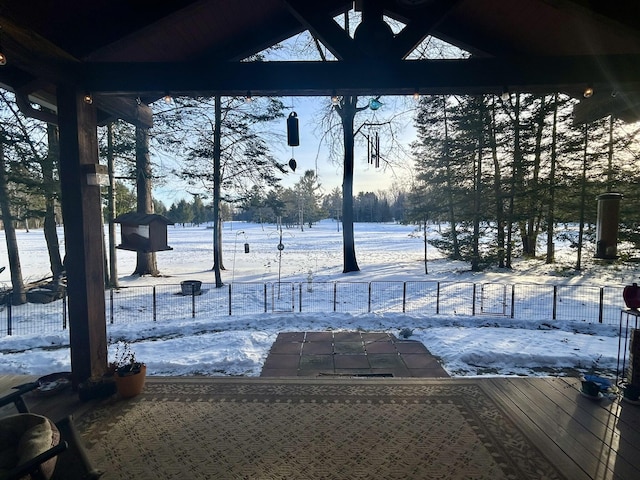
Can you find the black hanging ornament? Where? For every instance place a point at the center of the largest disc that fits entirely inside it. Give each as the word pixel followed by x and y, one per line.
pixel 293 135
pixel 293 164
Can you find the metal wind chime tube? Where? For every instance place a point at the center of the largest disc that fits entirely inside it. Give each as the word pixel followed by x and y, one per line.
pixel 373 149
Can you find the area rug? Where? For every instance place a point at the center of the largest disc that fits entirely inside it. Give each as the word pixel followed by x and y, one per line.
pixel 309 429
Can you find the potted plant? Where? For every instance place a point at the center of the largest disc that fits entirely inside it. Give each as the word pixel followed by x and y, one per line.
pixel 129 373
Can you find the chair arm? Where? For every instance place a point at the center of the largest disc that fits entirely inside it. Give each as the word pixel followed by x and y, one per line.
pixel 16 397
pixel 33 464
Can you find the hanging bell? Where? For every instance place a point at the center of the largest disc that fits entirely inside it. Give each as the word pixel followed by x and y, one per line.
pixel 293 164
pixel 293 135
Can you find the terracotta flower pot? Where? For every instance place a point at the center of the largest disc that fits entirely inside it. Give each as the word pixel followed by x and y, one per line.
pixel 631 295
pixel 131 384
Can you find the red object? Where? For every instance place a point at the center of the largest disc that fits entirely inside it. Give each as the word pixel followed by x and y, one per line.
pixel 631 295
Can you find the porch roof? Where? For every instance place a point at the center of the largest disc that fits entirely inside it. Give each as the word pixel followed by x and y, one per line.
pixel 122 50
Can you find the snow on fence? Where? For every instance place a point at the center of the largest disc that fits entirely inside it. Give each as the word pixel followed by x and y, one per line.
pixel 578 303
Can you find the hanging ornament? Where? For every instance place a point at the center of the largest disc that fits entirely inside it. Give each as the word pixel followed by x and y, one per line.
pixel 293 135
pixel 374 104
pixel 293 164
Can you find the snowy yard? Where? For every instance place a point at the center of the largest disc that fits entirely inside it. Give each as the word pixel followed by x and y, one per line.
pixel 238 345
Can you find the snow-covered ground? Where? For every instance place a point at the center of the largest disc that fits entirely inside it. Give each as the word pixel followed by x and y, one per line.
pixel 238 345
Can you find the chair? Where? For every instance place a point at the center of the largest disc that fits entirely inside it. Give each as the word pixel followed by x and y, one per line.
pixel 44 450
pixel 29 446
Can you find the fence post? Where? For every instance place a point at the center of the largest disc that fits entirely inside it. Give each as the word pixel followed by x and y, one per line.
pixel 513 300
pixel 300 298
pixel 438 299
pixel 64 309
pixel 193 300
pixel 335 295
pixel 154 307
pixel 404 296
pixel 265 298
pixel 473 300
pixel 369 307
pixel 601 306
pixel 111 305
pixel 230 296
pixel 9 323
pixel 555 299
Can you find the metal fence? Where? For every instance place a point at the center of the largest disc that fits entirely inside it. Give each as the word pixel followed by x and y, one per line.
pixel 162 303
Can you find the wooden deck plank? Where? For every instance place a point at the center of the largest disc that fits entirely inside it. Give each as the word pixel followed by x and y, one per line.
pixel 628 422
pixel 504 393
pixel 590 428
pixel 580 427
pixel 585 445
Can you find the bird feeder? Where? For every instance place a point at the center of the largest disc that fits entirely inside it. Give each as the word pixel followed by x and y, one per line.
pixel 143 232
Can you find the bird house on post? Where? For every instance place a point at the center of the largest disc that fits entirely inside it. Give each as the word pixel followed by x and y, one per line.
pixel 143 232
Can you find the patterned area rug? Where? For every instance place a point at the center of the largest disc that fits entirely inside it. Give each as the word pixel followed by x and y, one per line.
pixel 304 429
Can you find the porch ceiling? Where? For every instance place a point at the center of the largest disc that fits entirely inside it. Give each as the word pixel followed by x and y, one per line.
pixel 145 48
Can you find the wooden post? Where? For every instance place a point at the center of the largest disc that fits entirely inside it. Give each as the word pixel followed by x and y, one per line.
pixel 83 235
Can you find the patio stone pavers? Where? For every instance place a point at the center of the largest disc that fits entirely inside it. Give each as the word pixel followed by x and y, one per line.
pixel 317 354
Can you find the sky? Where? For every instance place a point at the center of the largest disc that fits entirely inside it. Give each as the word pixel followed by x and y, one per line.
pixel 238 344
pixel 313 153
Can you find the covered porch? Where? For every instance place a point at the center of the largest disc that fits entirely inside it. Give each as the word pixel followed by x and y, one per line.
pixel 194 427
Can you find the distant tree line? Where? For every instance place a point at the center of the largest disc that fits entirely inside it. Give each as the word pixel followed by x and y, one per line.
pixel 305 204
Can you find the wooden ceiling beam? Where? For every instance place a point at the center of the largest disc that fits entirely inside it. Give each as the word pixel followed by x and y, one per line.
pixel 468 76
pixel 420 22
pixel 324 28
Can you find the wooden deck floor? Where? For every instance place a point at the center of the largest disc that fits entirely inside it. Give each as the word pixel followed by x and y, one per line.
pixel 585 439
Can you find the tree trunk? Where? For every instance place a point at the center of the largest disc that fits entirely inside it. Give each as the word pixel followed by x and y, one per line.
pixel 475 261
pixel 347 113
pixel 497 188
pixel 583 195
pixel 146 261
pixel 50 224
pixel 552 184
pixel 18 295
pixel 531 227
pixel 455 245
pixel 217 231
pixel 111 210
pixel 515 170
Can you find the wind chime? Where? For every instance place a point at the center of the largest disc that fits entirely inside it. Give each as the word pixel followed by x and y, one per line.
pixel 373 148
pixel 293 137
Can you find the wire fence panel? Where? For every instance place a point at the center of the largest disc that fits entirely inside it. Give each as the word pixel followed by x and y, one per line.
pixel 421 297
pixel 282 297
pixel 387 296
pixel 34 318
pixel 493 299
pixel 174 305
pixel 456 298
pixel 351 297
pixel 248 298
pixel 533 302
pixel 130 305
pixel 213 301
pixel 316 297
pixel 578 303
pixel 612 303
